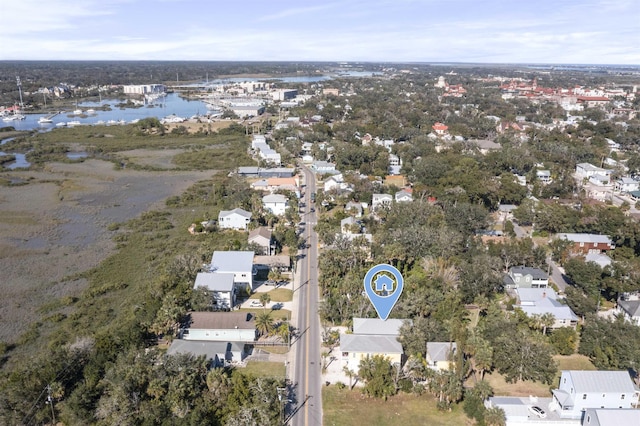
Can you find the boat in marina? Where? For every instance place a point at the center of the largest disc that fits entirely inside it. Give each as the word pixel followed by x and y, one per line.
pixel 45 120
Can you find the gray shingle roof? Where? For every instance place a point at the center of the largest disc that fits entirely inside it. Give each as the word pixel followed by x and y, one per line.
pixel 537 274
pixel 208 349
pixel 632 307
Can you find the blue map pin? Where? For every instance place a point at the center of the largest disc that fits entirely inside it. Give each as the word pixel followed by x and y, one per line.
pixel 383 290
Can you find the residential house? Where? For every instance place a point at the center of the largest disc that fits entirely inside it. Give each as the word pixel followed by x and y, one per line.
pixel 354 208
pixel 280 262
pixel 404 196
pixel 626 184
pixel 600 180
pixel 630 310
pixel 220 286
pixel 323 167
pixel 217 353
pixel 526 277
pixel 234 219
pixel 543 176
pixel 505 212
pixel 536 302
pixel 483 145
pixel 517 411
pixel 440 129
pixel 259 172
pixel 370 337
pixel 335 182
pixel 220 326
pixel 238 263
pixel 381 200
pixel 395 164
pixel 440 355
pixel 579 390
pixel 600 258
pixel 350 225
pixel 586 170
pixel 588 243
pixel 275 203
pixel 262 237
pixel 610 417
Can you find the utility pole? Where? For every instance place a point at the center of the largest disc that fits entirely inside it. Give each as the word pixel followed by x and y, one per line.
pixel 50 402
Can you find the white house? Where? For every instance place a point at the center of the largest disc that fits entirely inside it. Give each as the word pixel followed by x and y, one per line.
pixel 217 353
pixel 403 196
pixel 221 287
pixel 381 200
pixel 220 326
pixel 539 301
pixel 630 309
pixel 440 355
pixel 543 176
pixel 238 263
pixel 372 336
pixel 275 203
pixel 610 417
pixel 234 219
pixel 323 167
pixel 580 390
pixel 626 184
pixel 349 224
pixel 586 170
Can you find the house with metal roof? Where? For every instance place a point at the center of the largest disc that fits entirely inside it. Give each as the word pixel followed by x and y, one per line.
pixel 220 286
pixel 262 237
pixel 234 219
pixel 610 417
pixel 579 390
pixel 440 355
pixel 540 301
pixel 238 263
pixel 275 203
pixel 370 337
pixel 587 243
pixel 217 354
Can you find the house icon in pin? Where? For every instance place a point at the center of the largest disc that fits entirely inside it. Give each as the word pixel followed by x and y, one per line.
pixel 384 283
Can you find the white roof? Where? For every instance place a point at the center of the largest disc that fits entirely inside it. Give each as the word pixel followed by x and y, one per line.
pixel 390 327
pixel 214 281
pixel 274 198
pixel 382 196
pixel 439 351
pixel 370 343
pixel 540 301
pixel 241 212
pixel 599 258
pixel 614 416
pixel 585 238
pixel 601 381
pixel 232 261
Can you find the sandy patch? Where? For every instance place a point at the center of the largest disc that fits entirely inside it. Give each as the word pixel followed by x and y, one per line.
pixel 57 226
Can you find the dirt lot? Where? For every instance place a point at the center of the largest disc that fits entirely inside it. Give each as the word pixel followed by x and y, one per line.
pixel 57 225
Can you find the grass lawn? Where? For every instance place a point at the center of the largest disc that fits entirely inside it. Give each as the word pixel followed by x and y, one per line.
pixel 264 369
pixel 276 315
pixel 344 407
pixel 526 388
pixel 277 295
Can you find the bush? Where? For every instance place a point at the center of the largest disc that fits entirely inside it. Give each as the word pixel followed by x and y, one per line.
pixel 341 385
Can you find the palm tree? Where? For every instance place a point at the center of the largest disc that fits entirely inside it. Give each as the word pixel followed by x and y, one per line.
pixel 483 389
pixel 495 417
pixel 547 320
pixel 350 374
pixel 264 323
pixel 264 299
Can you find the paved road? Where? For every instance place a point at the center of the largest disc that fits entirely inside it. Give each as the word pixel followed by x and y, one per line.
pixel 555 272
pixel 307 366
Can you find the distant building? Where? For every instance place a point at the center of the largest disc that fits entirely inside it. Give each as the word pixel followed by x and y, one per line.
pixel 588 243
pixel 143 89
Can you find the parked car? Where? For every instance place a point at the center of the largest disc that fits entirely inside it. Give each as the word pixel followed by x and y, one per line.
pixel 537 411
pixel 256 304
pixel 270 282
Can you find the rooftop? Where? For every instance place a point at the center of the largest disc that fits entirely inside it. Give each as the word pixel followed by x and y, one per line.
pixel 232 261
pixel 241 212
pixel 214 281
pixel 390 327
pixel 370 343
pixel 221 320
pixel 198 348
pixel 601 381
pixel 440 351
pixel 585 238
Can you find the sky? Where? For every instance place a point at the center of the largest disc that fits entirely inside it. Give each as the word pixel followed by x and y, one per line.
pixel 479 31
